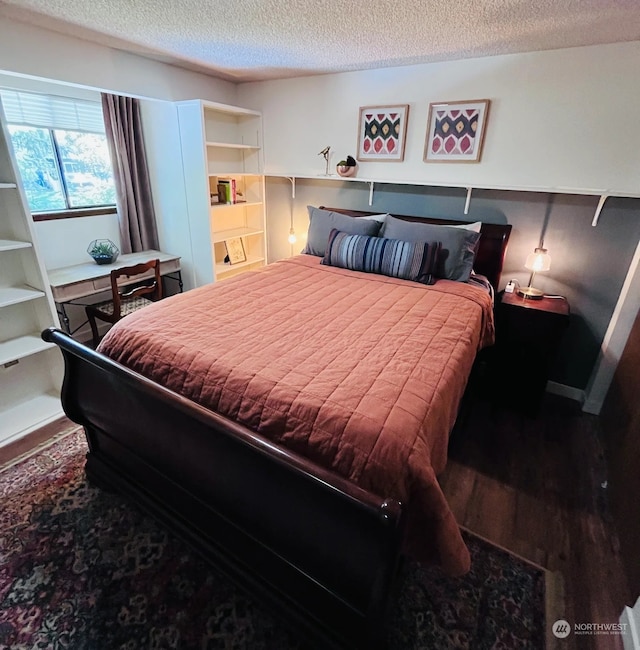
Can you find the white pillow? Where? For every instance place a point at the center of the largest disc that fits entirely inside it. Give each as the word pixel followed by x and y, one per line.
pixel 475 226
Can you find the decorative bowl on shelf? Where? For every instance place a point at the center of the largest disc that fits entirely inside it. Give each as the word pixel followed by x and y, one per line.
pixel 103 251
pixel 347 167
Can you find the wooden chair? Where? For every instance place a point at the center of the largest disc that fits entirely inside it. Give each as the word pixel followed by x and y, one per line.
pixel 122 304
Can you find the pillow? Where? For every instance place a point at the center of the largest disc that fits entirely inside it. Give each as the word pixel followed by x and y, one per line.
pixel 458 252
pixel 476 226
pixel 376 217
pixel 322 222
pixel 398 259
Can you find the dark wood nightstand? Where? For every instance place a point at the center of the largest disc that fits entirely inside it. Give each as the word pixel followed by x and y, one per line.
pixel 528 333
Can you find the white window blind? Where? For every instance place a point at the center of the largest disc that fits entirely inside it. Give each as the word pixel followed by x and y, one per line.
pixel 52 111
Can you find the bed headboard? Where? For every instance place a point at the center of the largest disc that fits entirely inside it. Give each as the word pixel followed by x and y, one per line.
pixel 491 248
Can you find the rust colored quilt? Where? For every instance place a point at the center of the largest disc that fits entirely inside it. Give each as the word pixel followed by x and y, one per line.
pixel 361 373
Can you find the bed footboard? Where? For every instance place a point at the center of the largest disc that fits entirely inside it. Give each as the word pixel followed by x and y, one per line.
pixel 318 550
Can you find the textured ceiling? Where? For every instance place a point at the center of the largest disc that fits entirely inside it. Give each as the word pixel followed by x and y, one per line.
pixel 245 40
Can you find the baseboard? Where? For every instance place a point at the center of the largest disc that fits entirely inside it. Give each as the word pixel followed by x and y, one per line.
pixel 631 619
pixel 576 394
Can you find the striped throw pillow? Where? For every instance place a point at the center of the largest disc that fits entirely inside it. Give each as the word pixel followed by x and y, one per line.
pixel 393 257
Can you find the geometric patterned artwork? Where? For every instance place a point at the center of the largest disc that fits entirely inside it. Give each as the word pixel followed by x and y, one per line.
pixel 382 132
pixel 455 131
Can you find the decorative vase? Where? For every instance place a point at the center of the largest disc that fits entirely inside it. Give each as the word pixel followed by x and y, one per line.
pixel 346 170
pixel 103 251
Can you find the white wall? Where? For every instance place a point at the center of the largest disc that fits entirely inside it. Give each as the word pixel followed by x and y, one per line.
pixel 37 52
pixel 558 119
pixel 561 118
pixel 39 60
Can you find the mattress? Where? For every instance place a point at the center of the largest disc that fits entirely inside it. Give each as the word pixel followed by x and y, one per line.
pixel 361 373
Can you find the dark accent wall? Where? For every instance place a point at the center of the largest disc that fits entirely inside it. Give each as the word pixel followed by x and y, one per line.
pixel 588 265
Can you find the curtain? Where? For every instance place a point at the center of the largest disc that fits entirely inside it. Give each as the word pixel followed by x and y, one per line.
pixel 123 127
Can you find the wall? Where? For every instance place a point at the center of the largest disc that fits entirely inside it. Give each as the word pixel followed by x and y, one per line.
pixel 40 60
pixel 559 118
pixel 552 124
pixel 41 53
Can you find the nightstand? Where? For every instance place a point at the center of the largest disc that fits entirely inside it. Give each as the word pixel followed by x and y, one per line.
pixel 528 333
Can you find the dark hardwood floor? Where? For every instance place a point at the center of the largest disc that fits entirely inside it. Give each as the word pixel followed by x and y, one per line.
pixel 537 487
pixel 534 487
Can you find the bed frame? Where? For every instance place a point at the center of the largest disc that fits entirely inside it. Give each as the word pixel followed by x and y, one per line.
pixel 317 550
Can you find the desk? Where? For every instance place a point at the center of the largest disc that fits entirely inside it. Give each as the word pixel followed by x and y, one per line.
pixel 70 283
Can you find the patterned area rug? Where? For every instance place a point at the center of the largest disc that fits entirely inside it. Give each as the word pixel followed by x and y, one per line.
pixel 84 569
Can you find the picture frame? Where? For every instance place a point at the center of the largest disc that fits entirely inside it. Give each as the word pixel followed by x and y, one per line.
pixel 382 133
pixel 235 250
pixel 455 131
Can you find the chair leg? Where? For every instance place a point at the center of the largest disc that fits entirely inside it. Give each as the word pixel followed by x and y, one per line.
pixel 94 329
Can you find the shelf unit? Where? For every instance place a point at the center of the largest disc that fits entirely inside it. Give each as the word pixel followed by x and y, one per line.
pixel 30 369
pixel 603 194
pixel 221 142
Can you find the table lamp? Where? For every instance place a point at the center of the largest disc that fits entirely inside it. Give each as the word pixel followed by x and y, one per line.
pixel 537 261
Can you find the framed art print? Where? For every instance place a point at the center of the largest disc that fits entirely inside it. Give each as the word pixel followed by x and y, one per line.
pixel 455 131
pixel 382 131
pixel 235 250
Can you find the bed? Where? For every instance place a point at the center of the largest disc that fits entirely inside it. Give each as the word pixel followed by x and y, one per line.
pixel 290 424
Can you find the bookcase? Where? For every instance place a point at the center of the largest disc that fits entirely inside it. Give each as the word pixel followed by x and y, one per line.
pixel 222 143
pixel 30 369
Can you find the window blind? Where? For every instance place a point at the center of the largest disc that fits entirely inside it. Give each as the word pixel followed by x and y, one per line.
pixel 52 111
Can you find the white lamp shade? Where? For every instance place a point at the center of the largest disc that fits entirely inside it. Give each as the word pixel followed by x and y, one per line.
pixel 538 261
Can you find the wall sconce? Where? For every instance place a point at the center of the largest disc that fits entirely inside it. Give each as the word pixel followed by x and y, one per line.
pixel 536 262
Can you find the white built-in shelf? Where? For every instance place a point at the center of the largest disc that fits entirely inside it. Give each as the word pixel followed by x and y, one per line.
pixel 221 269
pixel 237 204
pixel 231 174
pixel 602 193
pixel 14 295
pixel 475 186
pixel 223 235
pixel 7 186
pixel 21 347
pixel 29 415
pixel 236 111
pixel 11 245
pixel 231 145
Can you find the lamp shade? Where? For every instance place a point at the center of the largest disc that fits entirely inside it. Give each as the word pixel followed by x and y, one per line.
pixel 538 261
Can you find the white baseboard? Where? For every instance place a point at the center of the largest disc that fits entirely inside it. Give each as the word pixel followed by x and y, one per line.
pixel 631 619
pixel 576 394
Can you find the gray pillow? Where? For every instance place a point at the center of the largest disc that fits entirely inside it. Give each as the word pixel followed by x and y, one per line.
pixel 458 250
pixel 322 222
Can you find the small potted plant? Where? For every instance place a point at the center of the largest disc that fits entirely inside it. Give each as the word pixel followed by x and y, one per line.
pixel 347 167
pixel 103 251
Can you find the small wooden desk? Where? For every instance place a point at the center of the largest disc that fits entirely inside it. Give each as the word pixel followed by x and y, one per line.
pixel 70 283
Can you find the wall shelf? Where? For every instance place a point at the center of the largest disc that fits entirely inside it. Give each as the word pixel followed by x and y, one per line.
pixel 221 269
pixel 229 145
pixel 30 369
pixel 223 235
pixel 603 194
pixel 12 245
pixel 29 415
pixel 14 295
pixel 238 204
pixel 21 347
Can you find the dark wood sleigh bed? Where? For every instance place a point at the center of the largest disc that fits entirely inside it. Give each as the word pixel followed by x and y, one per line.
pixel 318 549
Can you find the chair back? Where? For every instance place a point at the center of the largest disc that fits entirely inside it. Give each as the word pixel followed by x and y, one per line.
pixel 151 288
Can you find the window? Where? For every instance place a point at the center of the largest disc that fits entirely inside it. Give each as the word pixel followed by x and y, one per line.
pixel 62 152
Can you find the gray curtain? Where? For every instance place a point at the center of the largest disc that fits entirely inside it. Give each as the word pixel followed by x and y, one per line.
pixel 123 126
